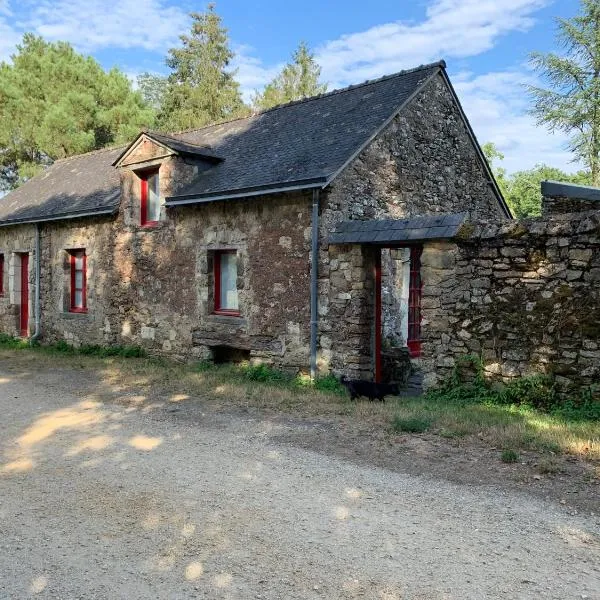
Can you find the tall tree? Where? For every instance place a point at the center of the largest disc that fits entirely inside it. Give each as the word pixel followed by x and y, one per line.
pixel 298 79
pixel 571 102
pixel 55 102
pixel 522 190
pixel 494 156
pixel 152 88
pixel 524 195
pixel 201 89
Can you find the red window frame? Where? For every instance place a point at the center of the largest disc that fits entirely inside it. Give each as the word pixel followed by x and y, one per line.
pixel 415 293
pixel 73 254
pixel 1 275
pixel 144 176
pixel 217 287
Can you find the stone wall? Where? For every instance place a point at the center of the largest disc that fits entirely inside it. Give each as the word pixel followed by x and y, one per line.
pixel 154 286
pixel 422 163
pixel 524 295
pixel 562 198
pixel 346 327
pixel 13 241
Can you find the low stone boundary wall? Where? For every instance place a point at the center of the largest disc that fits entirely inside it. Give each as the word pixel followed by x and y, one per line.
pixel 524 295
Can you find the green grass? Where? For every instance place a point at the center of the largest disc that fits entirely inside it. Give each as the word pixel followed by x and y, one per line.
pixel 499 418
pixel 509 456
pixel 414 424
pixel 62 347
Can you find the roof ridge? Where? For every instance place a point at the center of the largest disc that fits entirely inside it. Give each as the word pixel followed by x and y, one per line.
pixel 440 64
pixel 170 136
pixel 89 153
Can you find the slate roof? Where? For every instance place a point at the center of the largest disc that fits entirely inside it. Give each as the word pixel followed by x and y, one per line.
pixel 178 145
pixel 557 189
pixel 302 142
pixel 400 231
pixel 82 185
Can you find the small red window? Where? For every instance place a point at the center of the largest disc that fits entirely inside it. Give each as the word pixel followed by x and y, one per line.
pixel 1 274
pixel 414 302
pixel 226 293
pixel 78 281
pixel 150 199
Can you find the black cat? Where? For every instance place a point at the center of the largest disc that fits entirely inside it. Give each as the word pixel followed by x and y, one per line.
pixel 369 389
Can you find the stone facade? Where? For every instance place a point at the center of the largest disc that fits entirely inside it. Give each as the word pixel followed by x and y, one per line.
pixel 423 162
pixel 523 295
pixel 154 286
pixel 15 241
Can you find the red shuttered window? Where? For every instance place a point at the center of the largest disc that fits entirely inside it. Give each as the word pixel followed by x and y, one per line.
pixel 225 274
pixel 1 274
pixel 414 302
pixel 150 199
pixel 78 281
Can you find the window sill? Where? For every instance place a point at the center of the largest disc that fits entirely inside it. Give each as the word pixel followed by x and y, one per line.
pixel 79 311
pixel 68 314
pixel 235 319
pixel 227 313
pixel 150 225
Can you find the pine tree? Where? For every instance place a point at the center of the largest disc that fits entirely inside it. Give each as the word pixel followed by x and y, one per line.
pixel 298 79
pixel 152 88
pixel 200 88
pixel 572 102
pixel 55 103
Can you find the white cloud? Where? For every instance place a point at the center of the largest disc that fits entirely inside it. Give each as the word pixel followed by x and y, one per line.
pixel 9 38
pixel 496 105
pixel 452 28
pixel 94 24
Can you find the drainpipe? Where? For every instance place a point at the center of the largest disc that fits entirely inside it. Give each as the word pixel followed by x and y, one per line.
pixel 314 274
pixel 38 260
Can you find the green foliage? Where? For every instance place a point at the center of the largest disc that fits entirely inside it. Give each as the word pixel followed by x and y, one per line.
pixel 532 392
pixel 263 373
pixel 582 408
pixel 414 424
pixel 509 456
pixel 570 101
pixel 152 88
pixel 298 79
pixel 55 103
pixel 7 341
pixel 537 391
pixel 62 347
pixel 204 365
pixel 200 88
pixel 105 351
pixel 331 384
pixel 522 190
pixel 493 156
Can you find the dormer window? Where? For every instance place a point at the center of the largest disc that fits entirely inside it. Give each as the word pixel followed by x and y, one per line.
pixel 150 198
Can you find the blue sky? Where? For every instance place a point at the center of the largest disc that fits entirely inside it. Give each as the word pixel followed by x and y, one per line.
pixel 485 43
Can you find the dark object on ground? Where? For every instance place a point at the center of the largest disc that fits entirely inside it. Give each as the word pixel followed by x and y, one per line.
pixel 369 389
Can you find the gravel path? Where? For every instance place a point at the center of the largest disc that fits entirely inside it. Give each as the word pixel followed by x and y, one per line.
pixel 109 500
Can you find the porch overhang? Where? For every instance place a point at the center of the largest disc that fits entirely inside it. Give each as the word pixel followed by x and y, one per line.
pixel 401 232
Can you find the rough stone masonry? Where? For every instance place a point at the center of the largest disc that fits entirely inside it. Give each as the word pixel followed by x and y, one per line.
pixel 523 295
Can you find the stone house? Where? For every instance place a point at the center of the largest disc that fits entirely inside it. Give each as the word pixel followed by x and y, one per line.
pixel 215 243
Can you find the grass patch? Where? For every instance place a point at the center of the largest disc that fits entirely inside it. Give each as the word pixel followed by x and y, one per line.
pixel 464 413
pixel 415 424
pixel 61 347
pixel 509 456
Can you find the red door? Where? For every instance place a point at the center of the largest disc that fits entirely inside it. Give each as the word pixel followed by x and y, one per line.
pixel 24 321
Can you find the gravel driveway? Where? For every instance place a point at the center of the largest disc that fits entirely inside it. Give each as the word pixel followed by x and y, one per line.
pixel 130 499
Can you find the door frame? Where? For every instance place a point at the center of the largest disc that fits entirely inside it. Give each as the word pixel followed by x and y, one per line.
pixel 24 294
